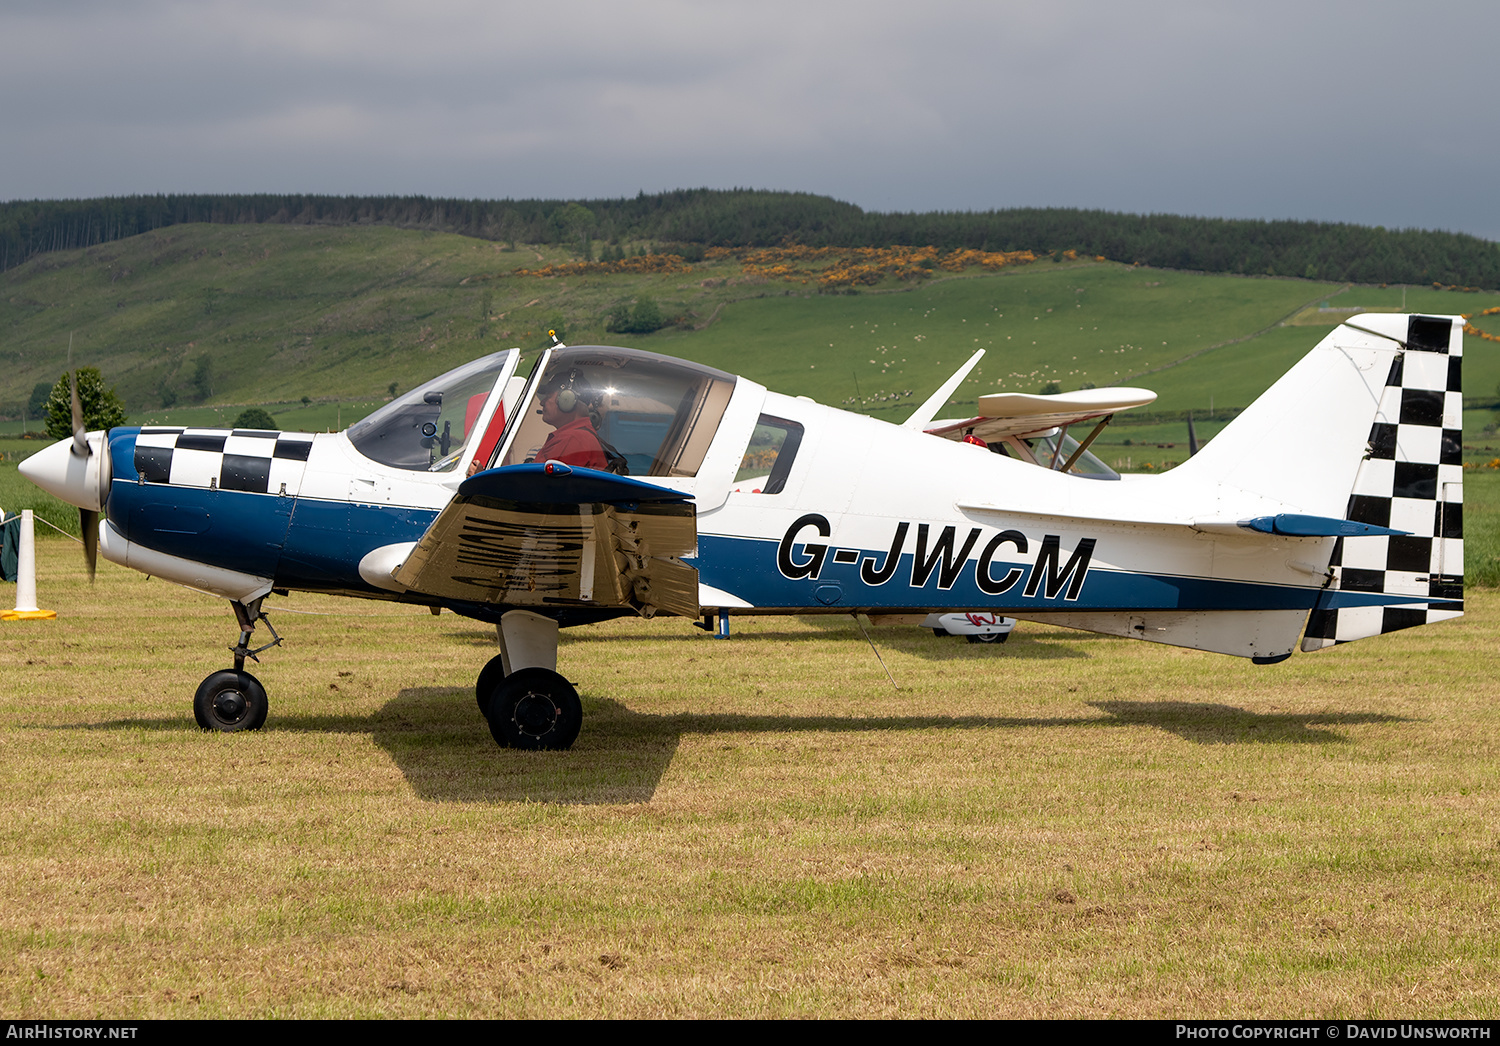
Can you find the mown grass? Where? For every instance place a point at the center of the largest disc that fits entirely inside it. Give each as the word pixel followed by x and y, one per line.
pixel 1066 825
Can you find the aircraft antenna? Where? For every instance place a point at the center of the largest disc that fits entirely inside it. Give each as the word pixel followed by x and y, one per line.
pixel 888 675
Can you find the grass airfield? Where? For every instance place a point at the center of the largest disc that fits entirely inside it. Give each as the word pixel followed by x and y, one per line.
pixel 1067 825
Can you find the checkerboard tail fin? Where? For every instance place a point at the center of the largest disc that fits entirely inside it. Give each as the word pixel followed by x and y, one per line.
pixel 1411 479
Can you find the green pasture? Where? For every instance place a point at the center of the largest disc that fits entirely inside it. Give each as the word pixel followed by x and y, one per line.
pixel 318 416
pixel 1065 826
pixel 337 314
pixel 286 312
pixel 17 493
pixel 1072 324
pixel 325 415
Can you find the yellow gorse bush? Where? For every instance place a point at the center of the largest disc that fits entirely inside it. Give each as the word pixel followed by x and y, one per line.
pixel 1475 332
pixel 848 266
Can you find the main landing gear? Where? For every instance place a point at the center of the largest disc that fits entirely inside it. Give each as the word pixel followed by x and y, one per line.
pixel 528 705
pixel 233 700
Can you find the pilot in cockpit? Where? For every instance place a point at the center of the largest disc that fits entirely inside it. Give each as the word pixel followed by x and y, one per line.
pixel 567 402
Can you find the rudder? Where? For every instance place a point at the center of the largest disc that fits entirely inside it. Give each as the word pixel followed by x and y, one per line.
pixel 1411 479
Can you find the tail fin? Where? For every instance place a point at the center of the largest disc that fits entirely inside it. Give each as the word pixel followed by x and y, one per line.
pixel 1366 428
pixel 1300 445
pixel 1411 479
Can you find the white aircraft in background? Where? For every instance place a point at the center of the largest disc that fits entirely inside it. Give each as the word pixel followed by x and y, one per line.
pixel 974 626
pixel 631 483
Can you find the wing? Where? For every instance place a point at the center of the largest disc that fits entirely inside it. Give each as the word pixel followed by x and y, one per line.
pixel 1019 414
pixel 540 535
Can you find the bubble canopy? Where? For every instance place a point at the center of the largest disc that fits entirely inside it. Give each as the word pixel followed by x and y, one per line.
pixel 651 415
pixel 427 429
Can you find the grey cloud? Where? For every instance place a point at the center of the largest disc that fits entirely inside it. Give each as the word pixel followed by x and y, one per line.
pixel 1375 112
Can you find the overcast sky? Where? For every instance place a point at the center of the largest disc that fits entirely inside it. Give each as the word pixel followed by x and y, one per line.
pixel 1375 112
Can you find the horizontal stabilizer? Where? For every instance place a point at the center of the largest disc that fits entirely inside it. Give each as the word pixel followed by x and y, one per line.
pixel 1297 525
pixel 1287 524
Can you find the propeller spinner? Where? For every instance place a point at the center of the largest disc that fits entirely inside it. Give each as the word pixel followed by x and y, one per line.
pixel 77 470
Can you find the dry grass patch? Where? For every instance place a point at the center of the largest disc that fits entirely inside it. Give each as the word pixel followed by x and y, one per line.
pixel 1065 825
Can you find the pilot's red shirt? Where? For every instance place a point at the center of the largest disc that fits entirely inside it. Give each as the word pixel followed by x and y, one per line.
pixel 574 444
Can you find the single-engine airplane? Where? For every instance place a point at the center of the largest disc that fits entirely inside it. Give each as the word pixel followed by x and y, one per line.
pixel 615 481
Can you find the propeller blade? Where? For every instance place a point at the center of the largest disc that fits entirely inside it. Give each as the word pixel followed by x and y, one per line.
pixel 80 439
pixel 88 520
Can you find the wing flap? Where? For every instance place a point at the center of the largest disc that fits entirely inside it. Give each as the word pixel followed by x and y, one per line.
pixel 485 547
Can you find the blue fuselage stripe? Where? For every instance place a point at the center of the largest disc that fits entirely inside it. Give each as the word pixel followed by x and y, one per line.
pixel 748 569
pixel 300 542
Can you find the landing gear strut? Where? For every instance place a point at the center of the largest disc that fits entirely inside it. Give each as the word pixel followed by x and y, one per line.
pixel 233 700
pixel 528 705
pixel 247 614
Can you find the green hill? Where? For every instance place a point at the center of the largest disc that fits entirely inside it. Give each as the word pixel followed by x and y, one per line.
pixel 336 315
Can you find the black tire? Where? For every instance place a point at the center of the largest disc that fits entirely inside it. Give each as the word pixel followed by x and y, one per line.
pixel 229 702
pixel 990 637
pixel 941 632
pixel 535 709
pixel 489 678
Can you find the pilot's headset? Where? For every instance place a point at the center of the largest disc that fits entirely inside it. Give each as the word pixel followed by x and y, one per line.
pixel 572 388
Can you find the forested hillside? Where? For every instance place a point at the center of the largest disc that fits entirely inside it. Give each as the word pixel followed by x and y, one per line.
pixel 696 219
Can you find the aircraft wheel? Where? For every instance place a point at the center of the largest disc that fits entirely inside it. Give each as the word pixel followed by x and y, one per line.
pixel 229 702
pixel 489 678
pixel 535 708
pixel 990 637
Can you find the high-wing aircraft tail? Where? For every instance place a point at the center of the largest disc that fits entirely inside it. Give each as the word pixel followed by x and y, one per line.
pixel 1367 428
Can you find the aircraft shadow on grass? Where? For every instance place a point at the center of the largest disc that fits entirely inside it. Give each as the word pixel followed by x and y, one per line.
pixel 1215 724
pixel 441 744
pixel 623 754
